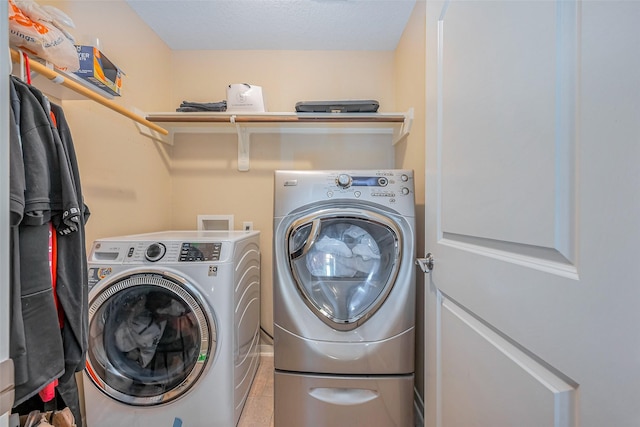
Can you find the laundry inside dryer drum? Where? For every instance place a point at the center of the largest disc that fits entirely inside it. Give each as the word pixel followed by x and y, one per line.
pixel 347 268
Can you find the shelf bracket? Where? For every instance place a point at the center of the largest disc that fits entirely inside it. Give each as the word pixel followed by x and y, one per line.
pixel 152 133
pixel 400 134
pixel 244 137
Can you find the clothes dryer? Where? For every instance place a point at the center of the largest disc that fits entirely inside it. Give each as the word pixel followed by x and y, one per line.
pixel 344 298
pixel 174 321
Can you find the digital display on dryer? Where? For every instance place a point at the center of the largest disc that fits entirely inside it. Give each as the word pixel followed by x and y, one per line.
pixel 369 181
pixel 200 252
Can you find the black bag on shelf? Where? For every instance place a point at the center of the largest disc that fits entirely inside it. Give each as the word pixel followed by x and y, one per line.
pixel 344 106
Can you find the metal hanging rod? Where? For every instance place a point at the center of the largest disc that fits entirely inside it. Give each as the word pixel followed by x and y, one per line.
pixel 76 87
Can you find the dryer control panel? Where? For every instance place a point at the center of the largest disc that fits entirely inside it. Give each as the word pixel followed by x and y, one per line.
pixel 393 188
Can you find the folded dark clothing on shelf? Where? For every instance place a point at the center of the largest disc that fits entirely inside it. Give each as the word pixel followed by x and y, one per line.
pixel 187 106
pixel 192 110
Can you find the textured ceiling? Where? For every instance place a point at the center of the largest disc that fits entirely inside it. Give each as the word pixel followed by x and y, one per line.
pixel 276 24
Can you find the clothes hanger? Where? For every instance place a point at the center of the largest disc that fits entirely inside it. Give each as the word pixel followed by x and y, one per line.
pixel 23 66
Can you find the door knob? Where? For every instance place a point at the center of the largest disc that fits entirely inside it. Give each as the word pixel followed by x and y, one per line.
pixel 426 263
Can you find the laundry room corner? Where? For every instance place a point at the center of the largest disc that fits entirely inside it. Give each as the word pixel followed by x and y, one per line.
pixel 133 183
pixel 125 176
pixel 147 185
pixel 205 177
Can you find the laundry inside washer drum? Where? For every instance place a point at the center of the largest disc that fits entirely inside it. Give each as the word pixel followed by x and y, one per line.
pixel 150 340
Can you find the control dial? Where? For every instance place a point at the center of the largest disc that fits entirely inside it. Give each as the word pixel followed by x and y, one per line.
pixel 343 180
pixel 155 252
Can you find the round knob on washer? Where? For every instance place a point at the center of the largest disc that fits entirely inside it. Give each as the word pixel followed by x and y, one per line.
pixel 343 180
pixel 155 252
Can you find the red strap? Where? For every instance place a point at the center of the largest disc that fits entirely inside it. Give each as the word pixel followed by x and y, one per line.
pixel 48 393
pixel 53 263
pixel 27 68
pixel 53 119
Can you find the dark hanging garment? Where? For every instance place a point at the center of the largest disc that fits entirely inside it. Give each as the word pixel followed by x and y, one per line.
pixel 65 208
pixel 45 360
pixel 48 344
pixel 18 347
pixel 44 349
pixel 71 285
pixel 42 180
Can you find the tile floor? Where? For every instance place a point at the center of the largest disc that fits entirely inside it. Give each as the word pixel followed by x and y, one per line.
pixel 258 409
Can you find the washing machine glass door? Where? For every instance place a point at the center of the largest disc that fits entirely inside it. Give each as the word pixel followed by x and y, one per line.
pixel 149 338
pixel 344 263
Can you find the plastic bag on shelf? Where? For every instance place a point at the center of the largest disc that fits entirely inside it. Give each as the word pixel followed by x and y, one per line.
pixel 49 14
pixel 32 9
pixel 40 37
pixel 61 20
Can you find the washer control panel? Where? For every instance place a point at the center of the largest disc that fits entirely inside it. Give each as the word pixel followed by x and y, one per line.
pixel 157 252
pixel 154 252
pixel 200 252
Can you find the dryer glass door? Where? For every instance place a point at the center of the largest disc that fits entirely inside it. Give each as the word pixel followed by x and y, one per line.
pixel 149 337
pixel 344 263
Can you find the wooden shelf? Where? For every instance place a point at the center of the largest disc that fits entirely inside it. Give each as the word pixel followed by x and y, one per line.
pixel 396 125
pixel 175 119
pixel 67 86
pixel 79 90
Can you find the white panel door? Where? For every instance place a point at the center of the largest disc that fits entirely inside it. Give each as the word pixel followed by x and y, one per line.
pixel 533 214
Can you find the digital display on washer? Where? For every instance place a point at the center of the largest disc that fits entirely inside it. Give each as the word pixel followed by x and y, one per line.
pixel 200 252
pixel 369 181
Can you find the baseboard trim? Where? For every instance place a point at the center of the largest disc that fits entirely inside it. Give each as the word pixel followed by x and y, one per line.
pixel 265 349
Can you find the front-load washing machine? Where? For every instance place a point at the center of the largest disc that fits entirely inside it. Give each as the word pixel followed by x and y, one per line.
pixel 344 295
pixel 174 321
